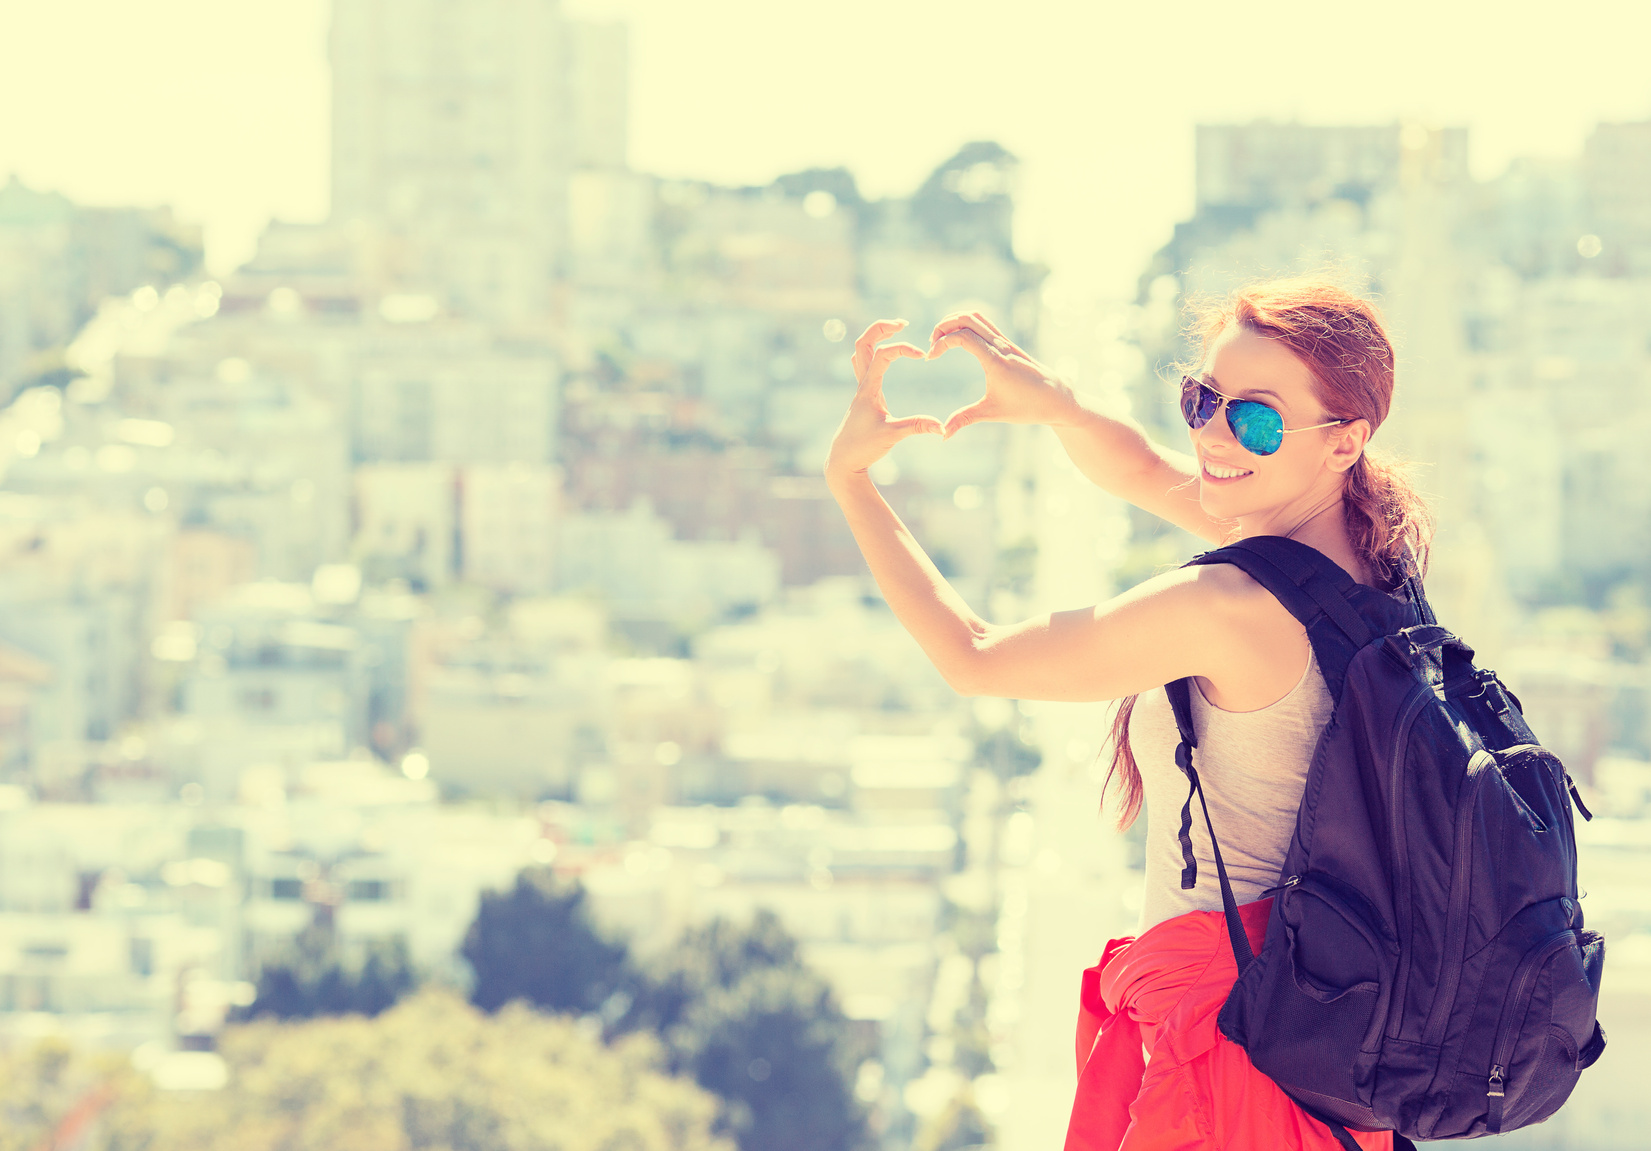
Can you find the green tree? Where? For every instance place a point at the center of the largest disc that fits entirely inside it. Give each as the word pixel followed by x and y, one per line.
pixel 431 1072
pixel 537 942
pixel 313 980
pixel 716 955
pixel 739 1010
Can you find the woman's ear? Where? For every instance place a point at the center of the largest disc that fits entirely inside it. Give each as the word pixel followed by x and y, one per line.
pixel 1347 444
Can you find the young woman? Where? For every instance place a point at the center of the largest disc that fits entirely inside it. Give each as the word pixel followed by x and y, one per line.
pixel 1294 378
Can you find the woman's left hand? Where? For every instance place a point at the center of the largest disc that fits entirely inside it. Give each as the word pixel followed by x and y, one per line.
pixel 868 431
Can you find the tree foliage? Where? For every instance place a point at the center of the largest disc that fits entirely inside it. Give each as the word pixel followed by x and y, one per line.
pixel 313 980
pixel 717 955
pixel 537 942
pixel 51 1093
pixel 733 1006
pixel 431 1072
pixel 739 1011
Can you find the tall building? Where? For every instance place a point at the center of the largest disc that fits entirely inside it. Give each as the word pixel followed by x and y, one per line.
pixel 1248 172
pixel 1270 165
pixel 459 126
pixel 1616 169
pixel 448 392
pixel 507 523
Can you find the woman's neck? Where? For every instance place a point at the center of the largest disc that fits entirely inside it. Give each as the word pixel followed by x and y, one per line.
pixel 1321 525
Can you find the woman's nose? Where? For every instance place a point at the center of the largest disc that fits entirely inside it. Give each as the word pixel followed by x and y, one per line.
pixel 1215 429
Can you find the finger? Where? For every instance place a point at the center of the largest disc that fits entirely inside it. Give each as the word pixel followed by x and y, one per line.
pixel 955 322
pixel 872 377
pixel 900 351
pixel 878 332
pixel 916 425
pixel 970 324
pixel 980 318
pixel 870 338
pixel 970 341
pixel 947 323
pixel 964 416
pixel 997 339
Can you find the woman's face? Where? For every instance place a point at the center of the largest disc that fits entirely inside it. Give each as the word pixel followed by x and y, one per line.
pixel 1245 365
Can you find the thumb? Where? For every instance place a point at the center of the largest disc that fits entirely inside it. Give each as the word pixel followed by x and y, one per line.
pixel 964 416
pixel 916 425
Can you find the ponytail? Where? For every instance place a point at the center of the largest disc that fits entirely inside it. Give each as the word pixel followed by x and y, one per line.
pixel 1386 519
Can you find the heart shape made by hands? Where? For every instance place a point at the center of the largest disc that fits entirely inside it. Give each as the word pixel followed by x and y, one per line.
pixel 934 387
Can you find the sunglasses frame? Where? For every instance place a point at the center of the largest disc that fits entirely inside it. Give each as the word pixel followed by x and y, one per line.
pixel 1227 403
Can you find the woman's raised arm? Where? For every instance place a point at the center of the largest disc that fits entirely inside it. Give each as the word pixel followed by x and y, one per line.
pixel 1110 448
pixel 1211 620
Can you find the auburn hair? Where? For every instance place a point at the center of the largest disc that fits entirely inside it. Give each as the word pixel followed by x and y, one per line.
pixel 1342 341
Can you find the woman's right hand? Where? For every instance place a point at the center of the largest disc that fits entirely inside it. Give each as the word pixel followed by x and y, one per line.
pixel 1019 390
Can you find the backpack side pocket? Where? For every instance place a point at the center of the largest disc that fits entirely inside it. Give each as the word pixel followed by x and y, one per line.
pixel 1548 1032
pixel 1327 990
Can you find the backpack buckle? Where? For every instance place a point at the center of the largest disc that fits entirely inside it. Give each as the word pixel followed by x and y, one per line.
pixel 1484 677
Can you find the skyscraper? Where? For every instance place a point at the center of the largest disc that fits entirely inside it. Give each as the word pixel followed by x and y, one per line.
pixel 1266 165
pixel 456 128
pixel 1616 167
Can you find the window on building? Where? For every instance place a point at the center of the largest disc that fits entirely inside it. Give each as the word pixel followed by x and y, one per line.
pixel 368 891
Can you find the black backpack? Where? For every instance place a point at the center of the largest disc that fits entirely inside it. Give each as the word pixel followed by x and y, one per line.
pixel 1425 968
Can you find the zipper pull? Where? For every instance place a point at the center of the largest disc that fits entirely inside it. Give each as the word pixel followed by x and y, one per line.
pixel 1496 1074
pixel 1291 881
pixel 1576 798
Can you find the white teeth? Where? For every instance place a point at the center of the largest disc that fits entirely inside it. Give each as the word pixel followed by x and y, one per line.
pixel 1222 473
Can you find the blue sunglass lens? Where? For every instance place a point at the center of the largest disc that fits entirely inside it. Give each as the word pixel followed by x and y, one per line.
pixel 1256 426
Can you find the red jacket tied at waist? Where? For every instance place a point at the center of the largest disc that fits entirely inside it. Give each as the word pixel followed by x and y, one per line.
pixel 1158 995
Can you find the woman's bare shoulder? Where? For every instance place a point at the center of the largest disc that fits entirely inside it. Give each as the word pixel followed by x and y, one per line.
pixel 1234 591
pixel 1265 646
pixel 1234 615
pixel 1219 593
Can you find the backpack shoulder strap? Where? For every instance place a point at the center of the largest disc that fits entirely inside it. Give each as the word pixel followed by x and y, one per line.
pixel 1311 587
pixel 1321 595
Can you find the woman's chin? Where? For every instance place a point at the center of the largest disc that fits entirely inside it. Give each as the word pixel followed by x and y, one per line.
pixel 1219 504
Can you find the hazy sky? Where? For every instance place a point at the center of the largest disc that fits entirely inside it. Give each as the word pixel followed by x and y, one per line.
pixel 218 107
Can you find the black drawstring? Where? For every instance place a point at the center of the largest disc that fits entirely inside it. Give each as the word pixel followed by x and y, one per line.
pixel 1180 698
pixel 1189 864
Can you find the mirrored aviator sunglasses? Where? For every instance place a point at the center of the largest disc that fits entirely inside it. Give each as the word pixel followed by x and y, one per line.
pixel 1258 428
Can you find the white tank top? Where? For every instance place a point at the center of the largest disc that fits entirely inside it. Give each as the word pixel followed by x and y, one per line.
pixel 1253 766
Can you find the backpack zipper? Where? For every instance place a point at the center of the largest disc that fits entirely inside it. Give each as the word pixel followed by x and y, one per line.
pixel 1461 875
pixel 1512 1009
pixel 1289 881
pixel 1402 909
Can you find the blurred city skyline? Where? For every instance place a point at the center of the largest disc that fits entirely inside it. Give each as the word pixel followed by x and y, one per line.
pixel 221 113
pixel 463 525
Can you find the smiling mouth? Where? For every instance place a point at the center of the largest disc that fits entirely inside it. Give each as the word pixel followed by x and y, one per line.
pixel 1220 472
